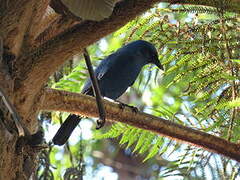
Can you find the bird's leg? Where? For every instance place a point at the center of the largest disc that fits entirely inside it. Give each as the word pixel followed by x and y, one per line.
pixel 123 105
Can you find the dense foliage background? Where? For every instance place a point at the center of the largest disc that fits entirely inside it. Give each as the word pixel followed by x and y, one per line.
pixel 199 48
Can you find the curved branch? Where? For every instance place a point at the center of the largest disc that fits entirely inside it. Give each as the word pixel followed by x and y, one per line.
pixel 52 54
pixel 62 22
pixel 56 100
pixel 40 8
pixel 53 25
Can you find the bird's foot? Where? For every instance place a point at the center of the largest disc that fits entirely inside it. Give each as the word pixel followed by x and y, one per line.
pixel 100 123
pixel 122 106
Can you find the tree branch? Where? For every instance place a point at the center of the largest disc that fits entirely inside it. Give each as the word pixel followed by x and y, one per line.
pixel 40 8
pixel 52 54
pixel 53 25
pixel 55 29
pixel 96 90
pixel 62 23
pixel 56 100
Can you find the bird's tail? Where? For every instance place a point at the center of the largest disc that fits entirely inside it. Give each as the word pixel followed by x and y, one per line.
pixel 66 129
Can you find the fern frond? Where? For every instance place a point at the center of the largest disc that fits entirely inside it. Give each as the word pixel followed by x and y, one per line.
pixel 197 9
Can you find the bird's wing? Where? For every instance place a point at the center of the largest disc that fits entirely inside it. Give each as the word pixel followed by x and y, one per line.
pixel 87 89
pixel 99 72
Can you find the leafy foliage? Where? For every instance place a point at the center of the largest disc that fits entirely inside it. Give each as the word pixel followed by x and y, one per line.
pixel 201 77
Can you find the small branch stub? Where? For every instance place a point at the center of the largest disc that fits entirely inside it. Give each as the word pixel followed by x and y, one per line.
pixel 13 112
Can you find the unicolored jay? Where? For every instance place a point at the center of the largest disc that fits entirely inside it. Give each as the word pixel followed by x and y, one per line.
pixel 115 74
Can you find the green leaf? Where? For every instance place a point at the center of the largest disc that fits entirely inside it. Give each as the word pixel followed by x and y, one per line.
pixel 155 149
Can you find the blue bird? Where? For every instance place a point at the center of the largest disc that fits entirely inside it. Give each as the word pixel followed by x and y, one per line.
pixel 114 74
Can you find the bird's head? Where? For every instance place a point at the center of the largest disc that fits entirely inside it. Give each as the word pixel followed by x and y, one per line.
pixel 154 58
pixel 149 52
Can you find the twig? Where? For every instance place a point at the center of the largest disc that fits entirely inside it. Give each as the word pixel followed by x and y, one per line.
pixel 101 110
pixel 13 112
pixel 81 165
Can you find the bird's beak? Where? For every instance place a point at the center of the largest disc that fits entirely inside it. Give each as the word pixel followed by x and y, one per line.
pixel 159 65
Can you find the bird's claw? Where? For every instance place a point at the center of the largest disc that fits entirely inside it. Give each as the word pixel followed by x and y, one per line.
pixel 122 106
pixel 100 123
pixel 134 109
